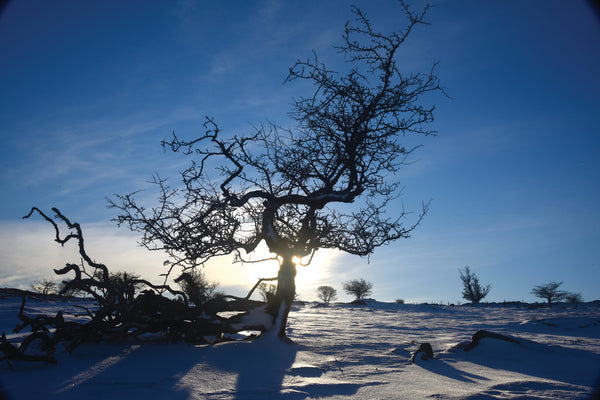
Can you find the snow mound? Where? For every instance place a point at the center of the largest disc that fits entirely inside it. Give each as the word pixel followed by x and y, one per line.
pixel 530 358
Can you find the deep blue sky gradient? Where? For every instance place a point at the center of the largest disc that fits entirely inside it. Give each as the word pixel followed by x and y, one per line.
pixel 88 90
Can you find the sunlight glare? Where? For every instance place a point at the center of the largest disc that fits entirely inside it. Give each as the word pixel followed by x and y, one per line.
pixel 244 276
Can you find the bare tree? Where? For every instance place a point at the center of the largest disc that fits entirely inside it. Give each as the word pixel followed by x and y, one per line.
pixel 322 184
pixel 44 286
pixel 473 291
pixel 358 288
pixel 326 293
pixel 550 292
pixel 119 313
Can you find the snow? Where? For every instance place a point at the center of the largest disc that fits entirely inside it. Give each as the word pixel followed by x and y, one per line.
pixel 341 352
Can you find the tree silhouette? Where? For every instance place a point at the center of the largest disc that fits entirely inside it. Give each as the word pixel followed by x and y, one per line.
pixel 326 293
pixel 44 286
pixel 472 289
pixel 550 292
pixel 323 184
pixel 358 288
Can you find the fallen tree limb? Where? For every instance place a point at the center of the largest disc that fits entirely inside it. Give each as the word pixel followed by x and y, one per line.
pixel 122 315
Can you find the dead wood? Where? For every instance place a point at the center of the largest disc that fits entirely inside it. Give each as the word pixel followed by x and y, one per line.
pixel 480 334
pixel 119 314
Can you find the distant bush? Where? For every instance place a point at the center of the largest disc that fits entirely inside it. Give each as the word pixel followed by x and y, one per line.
pixel 574 298
pixel 472 289
pixel 399 301
pixel 326 293
pixel 358 288
pixel 44 286
pixel 550 292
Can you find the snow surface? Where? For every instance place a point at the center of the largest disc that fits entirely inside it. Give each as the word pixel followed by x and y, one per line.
pixel 341 352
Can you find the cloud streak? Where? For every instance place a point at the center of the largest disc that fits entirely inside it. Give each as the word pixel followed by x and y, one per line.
pixel 28 253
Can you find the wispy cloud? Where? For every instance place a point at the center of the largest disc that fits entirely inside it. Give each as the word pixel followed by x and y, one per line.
pixel 28 252
pixel 80 160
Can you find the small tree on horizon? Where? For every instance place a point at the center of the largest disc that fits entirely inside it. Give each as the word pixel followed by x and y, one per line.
pixel 358 288
pixel 326 293
pixel 473 291
pixel 550 292
pixel 44 286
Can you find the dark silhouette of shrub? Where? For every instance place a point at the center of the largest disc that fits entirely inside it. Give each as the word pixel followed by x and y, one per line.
pixel 473 291
pixel 358 288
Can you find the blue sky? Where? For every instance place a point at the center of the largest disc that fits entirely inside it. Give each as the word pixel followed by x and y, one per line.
pixel 90 88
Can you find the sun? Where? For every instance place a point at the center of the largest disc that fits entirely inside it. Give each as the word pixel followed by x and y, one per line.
pixel 307 275
pixel 318 272
pixel 244 276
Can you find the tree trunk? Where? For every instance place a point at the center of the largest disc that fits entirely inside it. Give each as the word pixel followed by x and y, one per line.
pixel 286 290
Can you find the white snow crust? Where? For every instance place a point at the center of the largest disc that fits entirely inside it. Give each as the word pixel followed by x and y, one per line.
pixel 340 352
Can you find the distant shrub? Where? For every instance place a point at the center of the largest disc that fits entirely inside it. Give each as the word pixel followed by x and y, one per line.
pixel 44 286
pixel 358 288
pixel 473 291
pixel 574 298
pixel 326 293
pixel 550 292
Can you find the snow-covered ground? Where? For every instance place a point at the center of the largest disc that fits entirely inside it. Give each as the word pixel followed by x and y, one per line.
pixel 341 351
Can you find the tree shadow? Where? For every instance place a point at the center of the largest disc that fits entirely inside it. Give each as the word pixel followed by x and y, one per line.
pixel 443 368
pixel 92 371
pixel 266 369
pixel 237 370
pixel 260 365
pixel 270 368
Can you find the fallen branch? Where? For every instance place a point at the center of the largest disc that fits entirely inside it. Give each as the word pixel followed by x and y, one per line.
pixel 120 314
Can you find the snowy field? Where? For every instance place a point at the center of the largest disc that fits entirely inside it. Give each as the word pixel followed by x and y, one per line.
pixel 341 352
